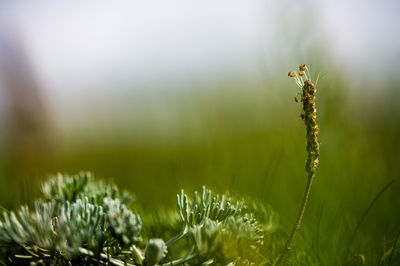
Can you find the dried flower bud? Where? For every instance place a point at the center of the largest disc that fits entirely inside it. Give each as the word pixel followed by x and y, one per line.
pixel 302 67
pixel 301 73
pixel 156 250
pixel 291 74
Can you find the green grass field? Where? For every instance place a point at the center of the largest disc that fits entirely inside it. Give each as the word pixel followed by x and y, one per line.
pixel 250 140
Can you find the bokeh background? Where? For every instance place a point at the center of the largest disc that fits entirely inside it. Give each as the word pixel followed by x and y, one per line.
pixel 165 95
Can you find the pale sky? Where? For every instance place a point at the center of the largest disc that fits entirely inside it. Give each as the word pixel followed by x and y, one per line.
pixel 86 46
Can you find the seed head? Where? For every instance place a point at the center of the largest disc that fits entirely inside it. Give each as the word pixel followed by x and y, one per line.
pixel 291 74
pixel 309 117
pixel 312 128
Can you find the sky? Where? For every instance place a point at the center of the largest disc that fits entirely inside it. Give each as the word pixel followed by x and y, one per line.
pixel 364 33
pixel 86 48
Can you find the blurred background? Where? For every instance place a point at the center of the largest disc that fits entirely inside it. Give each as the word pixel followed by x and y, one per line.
pixel 165 95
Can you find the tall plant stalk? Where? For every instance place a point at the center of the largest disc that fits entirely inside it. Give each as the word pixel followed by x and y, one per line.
pixel 309 116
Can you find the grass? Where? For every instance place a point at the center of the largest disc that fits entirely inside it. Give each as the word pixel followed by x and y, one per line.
pixel 253 145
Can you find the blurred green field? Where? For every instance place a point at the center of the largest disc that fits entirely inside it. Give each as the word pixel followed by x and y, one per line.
pixel 249 139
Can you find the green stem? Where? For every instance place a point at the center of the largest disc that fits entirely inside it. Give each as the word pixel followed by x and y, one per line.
pixel 114 261
pixel 138 254
pixel 394 248
pixel 177 237
pixel 179 261
pixel 297 225
pixel 105 257
pixel 30 251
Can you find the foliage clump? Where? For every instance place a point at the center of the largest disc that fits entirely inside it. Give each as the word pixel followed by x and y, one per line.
pixel 82 221
pixel 124 225
pixel 81 186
